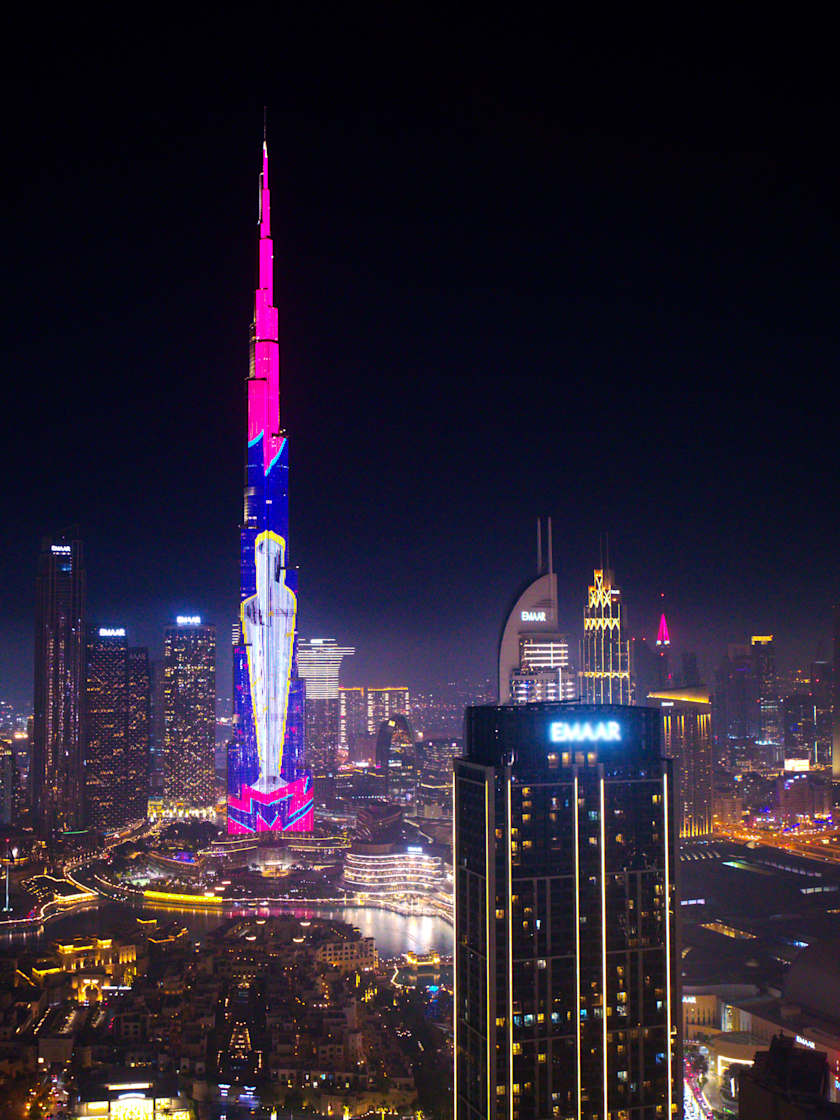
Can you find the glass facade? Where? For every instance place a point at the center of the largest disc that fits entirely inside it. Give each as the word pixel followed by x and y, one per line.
pixel 58 733
pixel 268 788
pixel 118 721
pixel 189 714
pixel 566 957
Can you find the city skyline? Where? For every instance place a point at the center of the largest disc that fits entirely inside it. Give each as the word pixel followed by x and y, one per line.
pixel 460 259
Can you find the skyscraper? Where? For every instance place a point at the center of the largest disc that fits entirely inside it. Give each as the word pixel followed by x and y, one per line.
pixel 735 716
pixel 534 662
pixel 352 715
pixel 567 982
pixel 396 759
pixel 770 734
pixel 384 703
pixel 57 758
pixel 687 739
pixel 118 721
pixel 189 714
pixel 319 664
pixel 268 789
pixel 606 651
pixel 8 782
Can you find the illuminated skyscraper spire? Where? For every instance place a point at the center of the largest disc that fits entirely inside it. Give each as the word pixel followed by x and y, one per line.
pixel 267 788
pixel 264 382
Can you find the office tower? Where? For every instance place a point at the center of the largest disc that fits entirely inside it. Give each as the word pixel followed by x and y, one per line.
pixel 268 789
pixel 352 715
pixel 8 783
pixel 797 713
pixel 396 759
pixel 189 715
pixel 606 651
pixel 567 983
pixel 735 717
pixel 687 739
pixel 534 662
pixel 820 694
pixel 650 668
pixel 157 734
pixel 117 725
pixel 769 718
pixel 57 760
pixel 383 703
pixel 319 664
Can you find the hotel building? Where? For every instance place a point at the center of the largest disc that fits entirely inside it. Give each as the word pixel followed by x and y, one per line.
pixel 189 714
pixel 567 983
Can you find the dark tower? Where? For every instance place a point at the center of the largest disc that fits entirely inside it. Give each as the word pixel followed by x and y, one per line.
pixel 57 759
pixel 567 979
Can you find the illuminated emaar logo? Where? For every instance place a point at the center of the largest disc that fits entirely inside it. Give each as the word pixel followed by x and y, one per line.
pixel 112 632
pixel 188 619
pixel 605 731
pixel 61 549
pixel 533 616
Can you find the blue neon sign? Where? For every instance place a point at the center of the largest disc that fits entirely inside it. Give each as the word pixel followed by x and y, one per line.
pixel 604 731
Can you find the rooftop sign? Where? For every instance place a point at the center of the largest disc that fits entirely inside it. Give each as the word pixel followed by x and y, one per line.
pixel 62 549
pixel 112 632
pixel 533 616
pixel 604 731
pixel 188 619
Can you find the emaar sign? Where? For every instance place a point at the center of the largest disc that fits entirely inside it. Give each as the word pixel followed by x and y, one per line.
pixel 604 731
pixel 533 616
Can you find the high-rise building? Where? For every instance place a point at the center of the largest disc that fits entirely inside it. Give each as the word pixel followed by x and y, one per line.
pixel 396 759
pixel 534 663
pixel 770 735
pixel 735 717
pixel 606 651
pixel 352 715
pixel 835 698
pixel 319 665
pixel 567 962
pixel 118 699
pixel 820 693
pixel 384 703
pixel 268 788
pixel 57 756
pixel 189 715
pixel 8 783
pixel 687 739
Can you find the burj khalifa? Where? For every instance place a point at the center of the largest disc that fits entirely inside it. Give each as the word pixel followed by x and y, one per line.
pixel 268 789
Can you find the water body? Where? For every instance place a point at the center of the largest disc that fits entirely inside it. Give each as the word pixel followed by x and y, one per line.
pixel 394 933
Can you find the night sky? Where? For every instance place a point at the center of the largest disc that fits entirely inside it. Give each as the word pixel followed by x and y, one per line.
pixel 517 276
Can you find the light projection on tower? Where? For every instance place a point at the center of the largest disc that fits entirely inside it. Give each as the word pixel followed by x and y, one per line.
pixel 268 789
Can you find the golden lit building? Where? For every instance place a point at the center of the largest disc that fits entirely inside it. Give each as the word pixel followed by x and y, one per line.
pixel 606 651
pixel 687 738
pixel 90 965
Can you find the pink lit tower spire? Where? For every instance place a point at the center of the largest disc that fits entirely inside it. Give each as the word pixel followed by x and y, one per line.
pixel 268 789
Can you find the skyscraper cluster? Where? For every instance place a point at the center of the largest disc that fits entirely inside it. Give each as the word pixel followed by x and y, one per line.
pixel 92 726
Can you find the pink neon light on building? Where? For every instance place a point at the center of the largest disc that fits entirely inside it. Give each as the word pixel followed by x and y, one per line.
pixel 663 638
pixel 299 796
pixel 264 387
